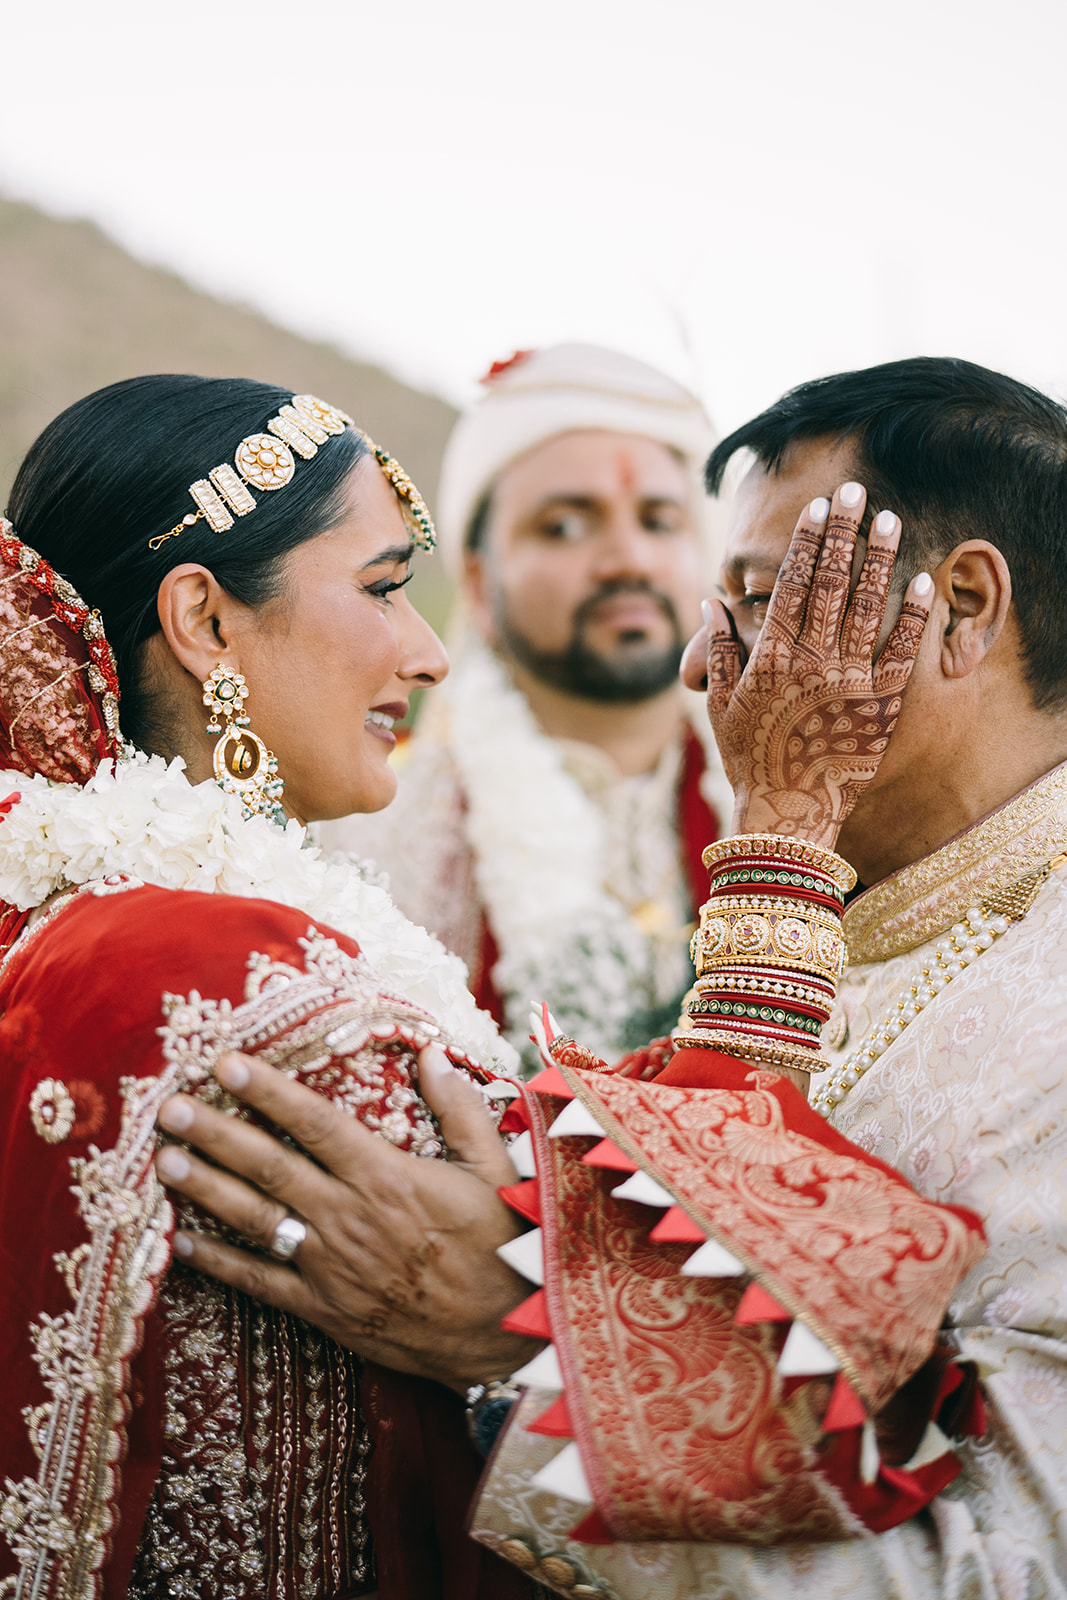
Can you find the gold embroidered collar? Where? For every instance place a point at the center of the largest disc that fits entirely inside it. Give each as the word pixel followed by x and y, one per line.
pixel 923 900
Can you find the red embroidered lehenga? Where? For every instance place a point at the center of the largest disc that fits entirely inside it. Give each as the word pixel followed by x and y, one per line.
pixel 159 1433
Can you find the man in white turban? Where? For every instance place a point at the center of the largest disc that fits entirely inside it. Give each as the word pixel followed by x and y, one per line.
pixel 559 790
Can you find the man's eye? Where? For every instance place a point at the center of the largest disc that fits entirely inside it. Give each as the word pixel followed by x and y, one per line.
pixel 563 529
pixel 665 519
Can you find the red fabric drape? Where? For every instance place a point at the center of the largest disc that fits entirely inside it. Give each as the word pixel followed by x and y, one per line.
pixel 425 1472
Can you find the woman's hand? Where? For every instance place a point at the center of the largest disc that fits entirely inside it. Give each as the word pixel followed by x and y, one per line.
pixel 803 725
pixel 399 1262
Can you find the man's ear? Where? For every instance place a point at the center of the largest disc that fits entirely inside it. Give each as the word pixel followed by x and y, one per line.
pixel 976 583
pixel 195 614
pixel 476 588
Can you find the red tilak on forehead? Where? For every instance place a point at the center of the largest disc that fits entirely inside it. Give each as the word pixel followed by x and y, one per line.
pixel 627 470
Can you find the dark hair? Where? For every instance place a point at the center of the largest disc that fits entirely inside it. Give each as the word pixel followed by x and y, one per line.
pixel 958 452
pixel 113 471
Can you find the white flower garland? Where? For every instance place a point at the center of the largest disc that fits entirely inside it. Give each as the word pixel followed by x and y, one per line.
pixel 539 865
pixel 141 817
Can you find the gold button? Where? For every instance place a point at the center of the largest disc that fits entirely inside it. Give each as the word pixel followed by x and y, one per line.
pixel 519 1554
pixel 558 1571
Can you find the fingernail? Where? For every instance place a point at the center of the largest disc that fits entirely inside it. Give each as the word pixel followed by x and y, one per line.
pixel 232 1072
pixel 885 522
pixel 922 584
pixel 708 615
pixel 182 1245
pixel 819 509
pixel 434 1060
pixel 176 1115
pixel 173 1164
pixel 850 494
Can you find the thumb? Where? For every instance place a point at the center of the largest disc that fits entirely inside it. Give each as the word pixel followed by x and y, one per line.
pixel 466 1125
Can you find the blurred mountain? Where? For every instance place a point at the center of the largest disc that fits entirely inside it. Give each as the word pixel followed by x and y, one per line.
pixel 78 312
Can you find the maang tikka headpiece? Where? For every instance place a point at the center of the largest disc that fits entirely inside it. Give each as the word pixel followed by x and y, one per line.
pixel 267 461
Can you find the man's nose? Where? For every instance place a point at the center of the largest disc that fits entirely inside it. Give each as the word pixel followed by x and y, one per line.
pixel 625 548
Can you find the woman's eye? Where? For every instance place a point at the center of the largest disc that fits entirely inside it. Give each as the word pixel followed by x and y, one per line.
pixel 752 601
pixel 386 586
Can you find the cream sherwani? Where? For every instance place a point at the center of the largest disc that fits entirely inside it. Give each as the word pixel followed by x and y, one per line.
pixel 970 1104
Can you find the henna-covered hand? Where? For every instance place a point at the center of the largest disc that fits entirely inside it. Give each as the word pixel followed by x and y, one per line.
pixel 803 727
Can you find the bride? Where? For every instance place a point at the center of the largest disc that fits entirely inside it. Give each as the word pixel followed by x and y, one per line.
pixel 221 663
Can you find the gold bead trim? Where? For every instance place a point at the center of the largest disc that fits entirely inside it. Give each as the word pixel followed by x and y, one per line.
pixel 52 1110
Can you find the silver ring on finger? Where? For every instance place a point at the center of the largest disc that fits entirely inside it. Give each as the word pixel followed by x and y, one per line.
pixel 287 1238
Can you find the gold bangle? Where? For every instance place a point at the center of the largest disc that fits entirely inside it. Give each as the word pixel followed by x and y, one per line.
pixel 758 940
pixel 784 848
pixel 773 906
pixel 731 981
pixel 745 1049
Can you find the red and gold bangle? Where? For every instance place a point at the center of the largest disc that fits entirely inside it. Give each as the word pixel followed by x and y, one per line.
pixel 787 854
pixel 769 950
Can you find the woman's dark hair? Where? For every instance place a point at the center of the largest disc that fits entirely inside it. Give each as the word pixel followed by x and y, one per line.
pixel 113 471
pixel 958 452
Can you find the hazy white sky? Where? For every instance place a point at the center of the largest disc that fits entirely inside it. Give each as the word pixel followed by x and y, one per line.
pixel 750 194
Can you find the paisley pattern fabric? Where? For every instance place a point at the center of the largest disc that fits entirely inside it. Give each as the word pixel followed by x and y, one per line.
pixel 837 1238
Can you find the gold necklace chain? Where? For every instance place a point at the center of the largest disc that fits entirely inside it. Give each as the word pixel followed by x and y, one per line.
pixel 954 952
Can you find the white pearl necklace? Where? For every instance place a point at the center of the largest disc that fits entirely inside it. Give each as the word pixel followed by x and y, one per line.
pixel 959 948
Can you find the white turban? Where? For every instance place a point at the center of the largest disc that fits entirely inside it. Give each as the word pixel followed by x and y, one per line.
pixel 543 393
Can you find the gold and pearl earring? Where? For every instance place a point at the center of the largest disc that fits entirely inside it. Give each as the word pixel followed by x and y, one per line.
pixel 242 764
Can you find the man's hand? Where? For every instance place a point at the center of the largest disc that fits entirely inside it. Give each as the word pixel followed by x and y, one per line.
pixel 803 725
pixel 399 1262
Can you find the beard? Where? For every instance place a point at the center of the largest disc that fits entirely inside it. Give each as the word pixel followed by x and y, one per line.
pixel 634 670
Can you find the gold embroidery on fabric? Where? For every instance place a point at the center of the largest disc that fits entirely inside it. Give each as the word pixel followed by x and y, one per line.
pixel 57 1524
pixel 350 1054
pixel 52 1110
pixel 304 1465
pixel 230 1520
pixel 205 1515
pixel 922 900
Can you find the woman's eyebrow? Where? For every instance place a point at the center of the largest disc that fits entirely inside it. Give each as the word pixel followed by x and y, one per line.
pixel 392 555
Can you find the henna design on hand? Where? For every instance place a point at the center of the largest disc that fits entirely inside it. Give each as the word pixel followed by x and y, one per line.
pixel 804 726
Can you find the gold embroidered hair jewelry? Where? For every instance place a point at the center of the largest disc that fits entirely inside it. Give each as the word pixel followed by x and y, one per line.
pixel 267 461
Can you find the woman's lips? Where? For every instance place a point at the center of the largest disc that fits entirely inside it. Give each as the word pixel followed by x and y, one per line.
pixel 379 721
